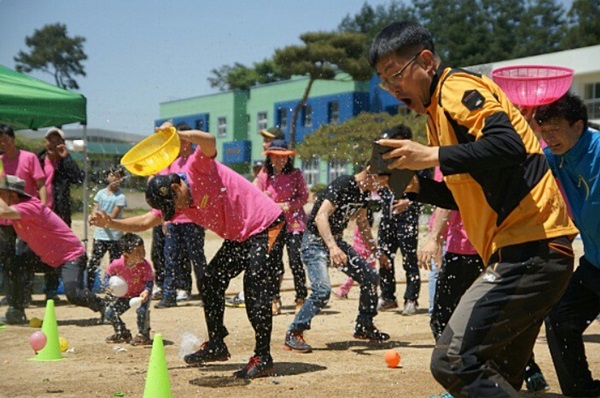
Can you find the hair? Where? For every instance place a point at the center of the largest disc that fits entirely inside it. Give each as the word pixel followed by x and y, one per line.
pixel 288 168
pixel 569 107
pixel 399 132
pixel 182 126
pixel 116 170
pixel 399 38
pixel 6 129
pixel 130 241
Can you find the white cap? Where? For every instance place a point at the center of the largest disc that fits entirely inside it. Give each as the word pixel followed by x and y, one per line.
pixel 55 130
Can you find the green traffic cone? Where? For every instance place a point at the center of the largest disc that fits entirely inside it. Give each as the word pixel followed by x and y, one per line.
pixel 157 378
pixel 51 351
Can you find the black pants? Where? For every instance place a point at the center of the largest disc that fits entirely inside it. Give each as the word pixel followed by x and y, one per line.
pixel 157 255
pixel 184 250
pixel 565 326
pixel 458 273
pixel 253 257
pixel 8 239
pixel 293 242
pixel 489 339
pixel 405 239
pixel 98 251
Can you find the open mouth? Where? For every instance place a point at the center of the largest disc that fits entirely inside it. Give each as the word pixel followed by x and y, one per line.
pixel 406 101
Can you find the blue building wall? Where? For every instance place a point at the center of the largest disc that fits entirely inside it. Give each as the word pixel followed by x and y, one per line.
pixel 380 100
pixel 200 121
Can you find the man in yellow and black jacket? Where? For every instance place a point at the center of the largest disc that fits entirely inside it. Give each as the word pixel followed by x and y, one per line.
pixel 496 175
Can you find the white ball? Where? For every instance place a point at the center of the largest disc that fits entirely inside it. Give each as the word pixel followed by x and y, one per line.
pixel 117 286
pixel 135 302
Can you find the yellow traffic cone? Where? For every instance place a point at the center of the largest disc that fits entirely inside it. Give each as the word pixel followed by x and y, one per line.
pixel 51 351
pixel 157 378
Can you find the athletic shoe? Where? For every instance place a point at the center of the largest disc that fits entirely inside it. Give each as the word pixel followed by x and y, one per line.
pixel 166 302
pixel 386 304
pixel 276 307
pixel 294 341
pixel 256 367
pixel 140 339
pixel 370 333
pixel 209 351
pixel 118 338
pixel 182 295
pixel 340 294
pixel 299 304
pixel 410 307
pixel 14 317
pixel 235 302
pixel 157 293
pixel 444 395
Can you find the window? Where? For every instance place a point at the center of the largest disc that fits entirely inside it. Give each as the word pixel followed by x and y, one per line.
pixel 336 168
pixel 307 115
pixel 261 121
pixel 592 100
pixel 222 127
pixel 282 118
pixel 311 171
pixel 334 112
pixel 200 124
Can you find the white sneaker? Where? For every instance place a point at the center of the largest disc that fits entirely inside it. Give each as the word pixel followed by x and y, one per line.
pixel 156 293
pixel 182 295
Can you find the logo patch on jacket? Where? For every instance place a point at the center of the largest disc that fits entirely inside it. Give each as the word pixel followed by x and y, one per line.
pixel 472 99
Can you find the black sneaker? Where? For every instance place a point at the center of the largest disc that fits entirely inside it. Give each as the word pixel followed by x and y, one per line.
pixel 166 302
pixel 14 316
pixel 256 367
pixel 294 341
pixel 118 338
pixel 370 333
pixel 210 351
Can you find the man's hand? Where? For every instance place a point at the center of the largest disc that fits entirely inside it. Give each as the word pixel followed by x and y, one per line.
pixel 337 257
pixel 61 150
pixel 100 219
pixel 400 205
pixel 410 155
pixel 430 252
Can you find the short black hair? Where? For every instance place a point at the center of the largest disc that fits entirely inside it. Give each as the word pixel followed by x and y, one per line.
pixel 569 107
pixel 116 170
pixel 182 126
pixel 8 130
pixel 130 241
pixel 399 132
pixel 400 37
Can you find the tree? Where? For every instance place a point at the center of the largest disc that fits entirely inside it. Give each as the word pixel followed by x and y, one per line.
pixel 584 24
pixel 541 29
pixel 53 52
pixel 242 77
pixel 351 141
pixel 322 56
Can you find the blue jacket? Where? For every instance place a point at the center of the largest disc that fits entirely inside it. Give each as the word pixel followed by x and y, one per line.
pixel 578 171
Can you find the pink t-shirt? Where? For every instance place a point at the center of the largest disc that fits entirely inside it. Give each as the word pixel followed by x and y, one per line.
pixel 290 188
pixel 178 167
pixel 49 168
pixel 46 234
pixel 135 277
pixel 224 201
pixel 26 166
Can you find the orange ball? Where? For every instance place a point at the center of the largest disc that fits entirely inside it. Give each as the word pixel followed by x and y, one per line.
pixel 392 358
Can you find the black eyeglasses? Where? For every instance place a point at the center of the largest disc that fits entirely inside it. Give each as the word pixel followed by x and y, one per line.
pixel 396 78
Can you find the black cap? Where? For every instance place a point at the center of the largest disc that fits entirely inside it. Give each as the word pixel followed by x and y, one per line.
pixel 160 195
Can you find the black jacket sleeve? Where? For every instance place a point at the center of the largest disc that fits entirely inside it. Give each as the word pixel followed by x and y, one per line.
pixel 435 193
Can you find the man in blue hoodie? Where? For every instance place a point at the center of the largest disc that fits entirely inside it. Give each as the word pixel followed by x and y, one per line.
pixel 573 153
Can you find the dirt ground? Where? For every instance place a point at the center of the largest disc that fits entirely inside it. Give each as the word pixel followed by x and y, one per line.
pixel 338 367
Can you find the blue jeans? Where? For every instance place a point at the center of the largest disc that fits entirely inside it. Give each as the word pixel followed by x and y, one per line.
pixel 119 306
pixel 316 257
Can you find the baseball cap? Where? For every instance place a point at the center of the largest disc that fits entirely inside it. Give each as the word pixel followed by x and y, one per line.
pixel 273 132
pixel 14 184
pixel 55 130
pixel 160 195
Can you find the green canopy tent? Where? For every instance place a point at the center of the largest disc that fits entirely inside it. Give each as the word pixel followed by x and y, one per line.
pixel 29 103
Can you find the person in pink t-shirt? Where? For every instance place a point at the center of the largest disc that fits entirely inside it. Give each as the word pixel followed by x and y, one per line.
pixel 218 198
pixel 50 239
pixel 133 267
pixel 285 184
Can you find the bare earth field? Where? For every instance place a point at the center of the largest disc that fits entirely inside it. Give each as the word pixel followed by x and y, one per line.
pixel 338 367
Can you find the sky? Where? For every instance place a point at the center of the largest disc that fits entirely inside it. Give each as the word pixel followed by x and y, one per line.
pixel 144 52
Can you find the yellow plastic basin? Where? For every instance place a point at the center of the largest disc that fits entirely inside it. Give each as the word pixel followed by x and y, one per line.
pixel 153 154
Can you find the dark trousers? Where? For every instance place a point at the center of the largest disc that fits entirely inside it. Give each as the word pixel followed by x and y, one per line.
pixel 184 250
pixel 71 273
pixel 98 251
pixel 8 239
pixel 457 274
pixel 293 242
pixel 157 255
pixel 489 339
pixel 253 257
pixel 405 239
pixel 119 306
pixel 565 326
